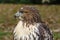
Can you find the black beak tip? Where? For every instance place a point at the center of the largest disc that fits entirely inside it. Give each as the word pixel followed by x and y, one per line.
pixel 14 16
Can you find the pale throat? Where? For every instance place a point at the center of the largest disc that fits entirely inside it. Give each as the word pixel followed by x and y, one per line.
pixel 21 30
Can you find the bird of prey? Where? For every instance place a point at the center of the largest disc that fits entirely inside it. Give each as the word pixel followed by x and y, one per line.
pixel 30 25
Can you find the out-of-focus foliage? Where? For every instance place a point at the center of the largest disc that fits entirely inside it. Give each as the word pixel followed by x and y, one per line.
pixel 30 1
pixel 24 1
pixel 15 1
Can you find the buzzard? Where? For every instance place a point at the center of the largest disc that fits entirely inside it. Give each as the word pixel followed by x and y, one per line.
pixel 30 25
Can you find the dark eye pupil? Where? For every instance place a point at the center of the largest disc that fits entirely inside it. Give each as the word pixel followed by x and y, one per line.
pixel 26 12
pixel 21 11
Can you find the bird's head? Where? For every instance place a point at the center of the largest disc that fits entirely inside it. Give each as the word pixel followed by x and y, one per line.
pixel 28 14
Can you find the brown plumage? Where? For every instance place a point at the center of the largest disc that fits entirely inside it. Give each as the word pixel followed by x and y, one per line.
pixel 30 25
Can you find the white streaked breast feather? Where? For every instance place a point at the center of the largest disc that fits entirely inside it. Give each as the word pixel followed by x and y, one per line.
pixel 23 33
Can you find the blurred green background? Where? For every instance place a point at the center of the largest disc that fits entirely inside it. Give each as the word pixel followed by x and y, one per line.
pixel 30 1
pixel 50 14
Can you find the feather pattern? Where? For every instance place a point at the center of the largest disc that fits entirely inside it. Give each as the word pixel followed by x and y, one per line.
pixel 33 32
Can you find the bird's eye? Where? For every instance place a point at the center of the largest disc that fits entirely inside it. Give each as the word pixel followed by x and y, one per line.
pixel 21 11
pixel 25 12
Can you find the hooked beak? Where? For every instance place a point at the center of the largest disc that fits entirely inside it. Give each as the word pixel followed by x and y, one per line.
pixel 17 15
